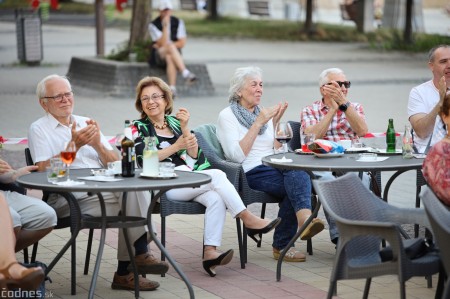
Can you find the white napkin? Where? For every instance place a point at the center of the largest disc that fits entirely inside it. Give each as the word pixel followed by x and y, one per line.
pixel 378 159
pixel 100 178
pixel 282 160
pixel 68 183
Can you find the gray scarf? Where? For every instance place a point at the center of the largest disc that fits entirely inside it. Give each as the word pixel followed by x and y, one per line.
pixel 246 118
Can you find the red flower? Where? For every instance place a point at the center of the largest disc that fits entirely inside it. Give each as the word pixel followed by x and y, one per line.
pixel 2 140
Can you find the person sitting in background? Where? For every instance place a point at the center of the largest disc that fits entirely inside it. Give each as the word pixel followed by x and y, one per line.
pixel 177 144
pixel 46 138
pixel 425 101
pixel 436 166
pixel 246 133
pixel 168 34
pixel 334 118
pixel 32 218
pixel 12 274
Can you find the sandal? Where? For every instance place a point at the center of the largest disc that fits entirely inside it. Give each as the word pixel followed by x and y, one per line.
pixel 292 255
pixel 315 227
pixel 30 280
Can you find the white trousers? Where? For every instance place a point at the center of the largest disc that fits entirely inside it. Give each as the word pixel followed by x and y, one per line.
pixel 217 196
pixel 137 204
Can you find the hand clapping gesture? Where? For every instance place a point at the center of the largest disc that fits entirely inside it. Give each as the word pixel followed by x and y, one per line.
pixel 442 90
pixel 88 135
pixel 188 141
pixel 183 116
pixel 281 108
pixel 275 112
pixel 333 95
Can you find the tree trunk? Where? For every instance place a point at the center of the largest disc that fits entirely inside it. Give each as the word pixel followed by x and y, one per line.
pixel 408 33
pixel 100 27
pixel 212 9
pixel 140 19
pixel 309 28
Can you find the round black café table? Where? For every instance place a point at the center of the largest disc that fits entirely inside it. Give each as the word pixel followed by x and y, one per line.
pixel 38 180
pixel 344 163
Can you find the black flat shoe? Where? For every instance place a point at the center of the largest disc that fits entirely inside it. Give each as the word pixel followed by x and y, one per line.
pixel 223 259
pixel 251 232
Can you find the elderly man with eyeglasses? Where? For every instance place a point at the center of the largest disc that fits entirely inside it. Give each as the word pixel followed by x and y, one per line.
pixel 46 138
pixel 334 118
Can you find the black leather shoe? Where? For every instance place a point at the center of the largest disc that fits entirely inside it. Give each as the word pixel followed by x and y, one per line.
pixel 251 232
pixel 223 259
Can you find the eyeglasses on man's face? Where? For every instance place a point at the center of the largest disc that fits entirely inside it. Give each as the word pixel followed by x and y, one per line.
pixel 155 97
pixel 59 97
pixel 347 84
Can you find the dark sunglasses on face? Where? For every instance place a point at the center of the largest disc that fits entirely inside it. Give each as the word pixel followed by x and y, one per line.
pixel 347 84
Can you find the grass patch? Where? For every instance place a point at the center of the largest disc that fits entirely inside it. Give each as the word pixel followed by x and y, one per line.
pixel 240 28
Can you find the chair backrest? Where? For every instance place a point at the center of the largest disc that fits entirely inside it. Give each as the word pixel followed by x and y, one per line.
pixel 209 143
pixel 439 217
pixel 347 200
pixel 295 142
pixel 28 158
pixel 208 132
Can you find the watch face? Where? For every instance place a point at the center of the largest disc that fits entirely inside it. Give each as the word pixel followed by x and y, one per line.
pixel 343 107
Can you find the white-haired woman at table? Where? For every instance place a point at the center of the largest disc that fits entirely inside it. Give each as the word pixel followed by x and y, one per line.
pixel 246 132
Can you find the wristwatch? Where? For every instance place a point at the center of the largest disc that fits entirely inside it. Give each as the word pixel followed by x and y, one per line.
pixel 343 107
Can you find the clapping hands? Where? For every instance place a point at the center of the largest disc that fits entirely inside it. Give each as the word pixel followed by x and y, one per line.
pixel 275 113
pixel 88 135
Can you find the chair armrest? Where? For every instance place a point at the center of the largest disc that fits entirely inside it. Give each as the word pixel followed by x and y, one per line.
pixel 13 187
pixel 232 170
pixel 408 216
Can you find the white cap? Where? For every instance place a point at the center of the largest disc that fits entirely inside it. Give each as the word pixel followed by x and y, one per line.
pixel 165 4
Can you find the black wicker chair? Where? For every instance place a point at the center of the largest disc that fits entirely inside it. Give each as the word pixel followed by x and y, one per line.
pixel 439 217
pixel 168 207
pixel 364 221
pixel 208 142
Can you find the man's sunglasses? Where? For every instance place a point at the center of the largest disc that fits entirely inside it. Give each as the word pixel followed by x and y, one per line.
pixel 347 84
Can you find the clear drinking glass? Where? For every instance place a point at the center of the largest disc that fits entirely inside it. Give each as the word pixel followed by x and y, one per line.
pixel 283 133
pixel 68 155
pixel 306 139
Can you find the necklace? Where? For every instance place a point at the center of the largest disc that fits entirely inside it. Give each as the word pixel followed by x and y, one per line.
pixel 164 125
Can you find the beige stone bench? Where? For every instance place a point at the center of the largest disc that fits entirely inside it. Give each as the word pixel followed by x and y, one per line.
pixel 116 78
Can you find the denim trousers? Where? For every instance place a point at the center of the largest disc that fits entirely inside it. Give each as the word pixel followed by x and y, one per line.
pixel 293 187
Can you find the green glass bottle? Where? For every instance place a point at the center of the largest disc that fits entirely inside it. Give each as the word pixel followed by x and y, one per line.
pixel 390 137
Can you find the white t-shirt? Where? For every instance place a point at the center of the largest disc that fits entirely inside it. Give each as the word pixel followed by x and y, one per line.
pixel 230 132
pixel 422 99
pixel 46 138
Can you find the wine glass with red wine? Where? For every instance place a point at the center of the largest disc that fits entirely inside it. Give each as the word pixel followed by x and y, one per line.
pixel 68 155
pixel 283 133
